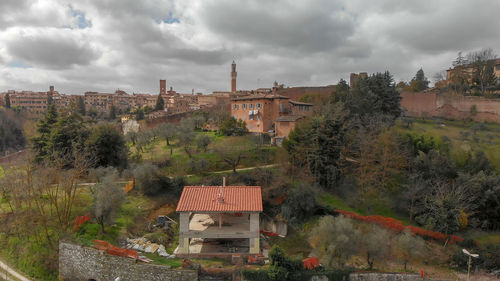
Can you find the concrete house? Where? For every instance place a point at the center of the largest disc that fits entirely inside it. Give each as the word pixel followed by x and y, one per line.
pixel 219 215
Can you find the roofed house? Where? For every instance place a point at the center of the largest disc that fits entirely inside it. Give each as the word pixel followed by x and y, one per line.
pixel 219 213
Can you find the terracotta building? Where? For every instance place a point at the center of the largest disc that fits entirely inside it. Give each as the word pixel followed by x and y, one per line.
pixel 468 70
pixel 261 112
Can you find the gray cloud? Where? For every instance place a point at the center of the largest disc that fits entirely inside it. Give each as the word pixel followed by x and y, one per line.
pixel 52 49
pixel 132 44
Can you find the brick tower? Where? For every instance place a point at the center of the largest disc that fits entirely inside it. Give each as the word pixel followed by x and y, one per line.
pixel 233 77
pixel 163 87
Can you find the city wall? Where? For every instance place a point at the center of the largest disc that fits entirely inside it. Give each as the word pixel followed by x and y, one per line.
pixel 79 263
pixel 451 106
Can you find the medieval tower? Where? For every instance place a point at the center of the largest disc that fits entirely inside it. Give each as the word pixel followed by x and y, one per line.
pixel 163 87
pixel 233 77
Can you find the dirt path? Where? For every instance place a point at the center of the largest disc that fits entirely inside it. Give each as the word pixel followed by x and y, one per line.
pixel 242 169
pixel 9 274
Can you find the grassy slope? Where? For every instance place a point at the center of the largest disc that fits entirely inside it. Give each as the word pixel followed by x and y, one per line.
pixel 462 136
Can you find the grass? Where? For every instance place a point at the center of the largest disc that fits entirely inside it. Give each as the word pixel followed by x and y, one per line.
pixel 380 208
pixel 464 136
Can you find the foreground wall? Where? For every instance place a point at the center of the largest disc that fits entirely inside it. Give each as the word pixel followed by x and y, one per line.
pixel 451 106
pixel 78 263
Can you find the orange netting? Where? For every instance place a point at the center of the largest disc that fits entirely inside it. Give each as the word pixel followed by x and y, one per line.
pixel 79 221
pixel 116 251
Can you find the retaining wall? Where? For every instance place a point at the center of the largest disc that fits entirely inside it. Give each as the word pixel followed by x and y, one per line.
pixel 79 263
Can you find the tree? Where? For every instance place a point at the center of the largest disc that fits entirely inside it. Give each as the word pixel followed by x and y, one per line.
pixel 375 243
pixel 375 94
pixel 419 82
pixel 483 63
pixel 139 114
pixel 80 104
pixel 335 240
pixel 231 151
pixel 108 196
pixel 107 146
pixel 459 75
pixel 7 100
pixel 381 164
pixel 11 134
pixel 186 135
pixel 233 127
pixel 299 205
pixel 408 246
pixel 112 113
pixel 160 103
pixel 317 145
pixel 203 141
pixel 166 131
pixel 147 178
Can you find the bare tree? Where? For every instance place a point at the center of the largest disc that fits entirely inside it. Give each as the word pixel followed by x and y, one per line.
pixel 483 68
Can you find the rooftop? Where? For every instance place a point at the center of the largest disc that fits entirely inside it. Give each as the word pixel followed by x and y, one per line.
pixel 289 118
pixel 205 199
pixel 300 103
pixel 260 96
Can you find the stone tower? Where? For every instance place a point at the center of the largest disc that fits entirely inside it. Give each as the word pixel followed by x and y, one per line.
pixel 163 87
pixel 233 77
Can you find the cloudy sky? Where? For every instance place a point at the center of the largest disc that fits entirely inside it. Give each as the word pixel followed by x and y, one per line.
pixel 104 45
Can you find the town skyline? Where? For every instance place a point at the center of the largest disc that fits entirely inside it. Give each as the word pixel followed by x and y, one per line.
pixel 87 46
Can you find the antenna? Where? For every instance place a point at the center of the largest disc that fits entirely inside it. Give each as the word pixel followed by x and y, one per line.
pixel 220 198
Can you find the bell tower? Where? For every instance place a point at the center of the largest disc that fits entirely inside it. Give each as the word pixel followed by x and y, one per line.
pixel 233 77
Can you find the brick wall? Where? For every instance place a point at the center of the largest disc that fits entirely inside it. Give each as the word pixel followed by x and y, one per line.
pixel 83 263
pixel 450 106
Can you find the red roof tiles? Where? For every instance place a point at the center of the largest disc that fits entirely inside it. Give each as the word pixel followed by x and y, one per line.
pixel 236 199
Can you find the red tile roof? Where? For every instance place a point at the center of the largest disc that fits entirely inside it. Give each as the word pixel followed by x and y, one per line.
pixel 236 199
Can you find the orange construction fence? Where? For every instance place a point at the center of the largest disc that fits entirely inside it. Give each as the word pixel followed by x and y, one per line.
pixel 115 251
pixel 79 221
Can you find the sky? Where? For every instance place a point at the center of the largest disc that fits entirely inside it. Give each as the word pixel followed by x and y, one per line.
pixel 105 45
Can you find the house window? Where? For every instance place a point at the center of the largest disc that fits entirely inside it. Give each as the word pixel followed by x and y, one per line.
pixel 250 105
pixel 235 107
pixel 244 106
pixel 259 105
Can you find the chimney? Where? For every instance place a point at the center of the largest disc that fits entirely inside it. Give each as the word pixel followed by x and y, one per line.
pixel 220 198
pixel 51 89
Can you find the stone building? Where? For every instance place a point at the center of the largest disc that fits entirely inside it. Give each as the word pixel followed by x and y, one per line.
pixel 219 215
pixel 353 79
pixel 468 70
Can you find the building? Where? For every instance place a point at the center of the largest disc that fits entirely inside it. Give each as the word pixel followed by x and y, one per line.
pixel 468 70
pixel 261 112
pixel 223 213
pixel 233 77
pixel 354 78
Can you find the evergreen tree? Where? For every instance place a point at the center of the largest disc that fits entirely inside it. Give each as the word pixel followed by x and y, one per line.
pixel 7 101
pixel 112 113
pixel 41 142
pixel 160 103
pixel 419 82
pixel 106 146
pixel 376 94
pixel 81 106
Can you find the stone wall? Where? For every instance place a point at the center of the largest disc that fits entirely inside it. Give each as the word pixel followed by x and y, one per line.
pixel 384 277
pixel 79 263
pixel 451 106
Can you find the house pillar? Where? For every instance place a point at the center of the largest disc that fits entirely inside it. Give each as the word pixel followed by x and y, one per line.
pixel 254 233
pixel 183 230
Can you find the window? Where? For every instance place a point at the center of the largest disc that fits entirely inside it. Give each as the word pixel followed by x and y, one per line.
pixel 497 67
pixel 235 107
pixel 244 106
pixel 259 105
pixel 250 105
pixel 235 117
